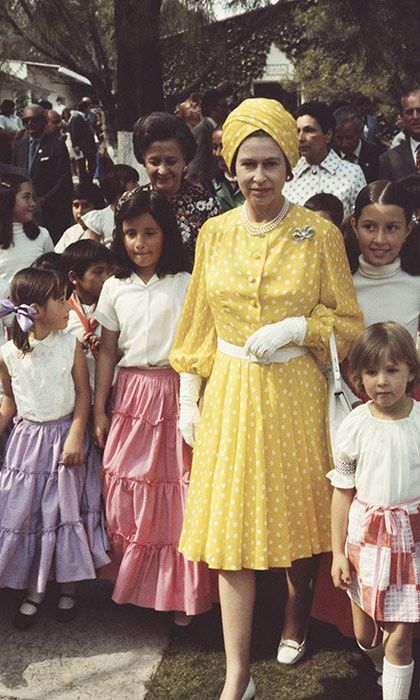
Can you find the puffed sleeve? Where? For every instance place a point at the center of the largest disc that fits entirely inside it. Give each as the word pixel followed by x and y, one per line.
pixel 105 310
pixel 195 341
pixel 346 452
pixel 337 309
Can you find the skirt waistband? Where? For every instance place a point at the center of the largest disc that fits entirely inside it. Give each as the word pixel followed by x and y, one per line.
pixel 56 421
pixel 280 355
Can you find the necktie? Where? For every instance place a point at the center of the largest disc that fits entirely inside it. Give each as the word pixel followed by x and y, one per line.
pixel 418 160
pixel 350 157
pixel 32 153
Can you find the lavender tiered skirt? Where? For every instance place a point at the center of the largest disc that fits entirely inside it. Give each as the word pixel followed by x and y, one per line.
pixel 51 519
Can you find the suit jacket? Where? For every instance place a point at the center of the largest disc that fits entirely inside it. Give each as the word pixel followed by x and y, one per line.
pixel 202 166
pixel 81 134
pixel 51 177
pixel 368 160
pixel 398 162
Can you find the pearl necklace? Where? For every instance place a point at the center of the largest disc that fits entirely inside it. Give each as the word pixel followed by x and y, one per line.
pixel 261 229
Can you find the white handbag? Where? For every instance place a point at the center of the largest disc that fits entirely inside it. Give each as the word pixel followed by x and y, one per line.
pixel 338 404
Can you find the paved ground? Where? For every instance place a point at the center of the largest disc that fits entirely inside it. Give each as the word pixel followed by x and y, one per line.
pixel 108 652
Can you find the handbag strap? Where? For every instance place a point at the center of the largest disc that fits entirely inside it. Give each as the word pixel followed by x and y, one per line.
pixel 335 365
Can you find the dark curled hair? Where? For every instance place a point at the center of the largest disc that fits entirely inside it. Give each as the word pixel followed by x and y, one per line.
pixel 384 192
pixel 48 261
pixel 91 193
pixel 324 201
pixel 115 181
pixel 10 185
pixel 81 255
pixel 318 111
pixel 33 286
pixel 160 126
pixel 174 257
pixel 411 184
pixel 379 342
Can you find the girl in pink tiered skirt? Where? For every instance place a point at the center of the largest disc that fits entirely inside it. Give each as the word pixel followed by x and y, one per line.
pixel 146 463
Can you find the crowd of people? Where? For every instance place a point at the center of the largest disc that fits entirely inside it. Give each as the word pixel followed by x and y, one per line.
pixel 164 370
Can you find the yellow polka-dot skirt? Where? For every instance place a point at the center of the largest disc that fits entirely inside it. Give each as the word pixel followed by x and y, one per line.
pixel 258 495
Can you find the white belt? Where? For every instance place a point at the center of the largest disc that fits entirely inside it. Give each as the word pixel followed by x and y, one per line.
pixel 280 355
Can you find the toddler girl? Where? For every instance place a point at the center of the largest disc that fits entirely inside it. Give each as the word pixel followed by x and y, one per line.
pixel 376 501
pixel 21 239
pixel 146 464
pixel 51 525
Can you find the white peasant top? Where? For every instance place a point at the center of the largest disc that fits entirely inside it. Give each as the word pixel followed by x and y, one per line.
pixel 42 380
pixel 380 458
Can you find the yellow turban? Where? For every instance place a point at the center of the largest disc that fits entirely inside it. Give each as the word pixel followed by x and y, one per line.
pixel 255 114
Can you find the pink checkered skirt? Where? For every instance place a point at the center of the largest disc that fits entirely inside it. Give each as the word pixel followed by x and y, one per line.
pixel 383 547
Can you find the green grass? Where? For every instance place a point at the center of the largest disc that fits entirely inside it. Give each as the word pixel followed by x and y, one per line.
pixel 193 666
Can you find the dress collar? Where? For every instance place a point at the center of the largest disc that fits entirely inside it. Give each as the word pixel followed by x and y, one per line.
pixel 330 163
pixel 379 271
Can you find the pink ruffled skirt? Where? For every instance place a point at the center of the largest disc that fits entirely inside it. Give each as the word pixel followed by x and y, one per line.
pixel 146 471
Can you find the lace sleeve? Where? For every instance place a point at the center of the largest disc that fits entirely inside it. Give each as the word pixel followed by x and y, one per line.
pixel 343 476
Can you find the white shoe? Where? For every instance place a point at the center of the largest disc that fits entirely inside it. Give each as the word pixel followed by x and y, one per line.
pixel 249 690
pixel 290 652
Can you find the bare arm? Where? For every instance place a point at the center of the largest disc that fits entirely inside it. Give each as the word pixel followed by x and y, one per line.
pixel 105 365
pixel 340 506
pixel 73 452
pixel 7 406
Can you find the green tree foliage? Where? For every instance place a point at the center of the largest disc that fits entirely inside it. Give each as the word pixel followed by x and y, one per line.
pixel 355 46
pixel 78 34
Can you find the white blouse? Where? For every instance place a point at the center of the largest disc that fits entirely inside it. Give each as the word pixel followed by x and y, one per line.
pixel 380 458
pixel 71 235
pixel 22 251
pixel 101 222
pixel 42 380
pixel 387 293
pixel 146 316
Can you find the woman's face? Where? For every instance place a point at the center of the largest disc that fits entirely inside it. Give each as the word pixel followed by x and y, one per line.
pixel 261 171
pixel 381 231
pixel 164 165
pixel 25 204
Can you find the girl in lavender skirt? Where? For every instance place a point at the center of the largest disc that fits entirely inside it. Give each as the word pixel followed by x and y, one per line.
pixel 51 523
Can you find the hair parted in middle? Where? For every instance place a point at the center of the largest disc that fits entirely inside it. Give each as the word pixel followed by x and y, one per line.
pixel 34 286
pixel 396 194
pixel 140 201
pixel 378 343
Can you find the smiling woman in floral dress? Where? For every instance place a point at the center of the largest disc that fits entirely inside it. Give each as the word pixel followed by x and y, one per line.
pixel 270 282
pixel 165 145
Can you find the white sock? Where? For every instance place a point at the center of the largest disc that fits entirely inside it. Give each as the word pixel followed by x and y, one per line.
pixel 396 681
pixel 27 608
pixel 375 654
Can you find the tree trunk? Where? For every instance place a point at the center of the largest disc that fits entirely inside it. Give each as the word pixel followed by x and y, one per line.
pixel 139 74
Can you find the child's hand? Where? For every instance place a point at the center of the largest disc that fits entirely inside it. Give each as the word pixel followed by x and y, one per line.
pixel 91 341
pixel 73 453
pixel 101 429
pixel 340 572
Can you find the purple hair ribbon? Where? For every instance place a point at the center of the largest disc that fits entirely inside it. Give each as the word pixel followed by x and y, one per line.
pixel 23 313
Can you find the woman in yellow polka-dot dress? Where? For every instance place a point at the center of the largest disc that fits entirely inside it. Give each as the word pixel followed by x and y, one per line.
pixel 270 282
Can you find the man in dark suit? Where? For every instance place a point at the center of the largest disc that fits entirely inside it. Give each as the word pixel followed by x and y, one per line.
pixel 46 158
pixel 404 159
pixel 214 108
pixel 84 144
pixel 350 144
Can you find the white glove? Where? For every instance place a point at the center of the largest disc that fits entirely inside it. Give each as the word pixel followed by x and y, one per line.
pixel 266 340
pixel 189 415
